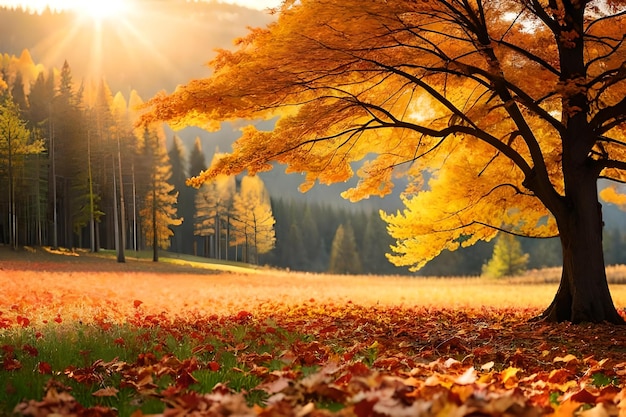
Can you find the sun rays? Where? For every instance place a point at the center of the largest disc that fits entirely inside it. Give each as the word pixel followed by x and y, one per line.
pixel 112 38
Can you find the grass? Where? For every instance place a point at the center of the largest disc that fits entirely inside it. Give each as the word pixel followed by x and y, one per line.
pixel 148 330
pixel 86 358
pixel 185 260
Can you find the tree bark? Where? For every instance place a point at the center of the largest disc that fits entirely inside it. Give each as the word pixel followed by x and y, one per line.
pixel 583 294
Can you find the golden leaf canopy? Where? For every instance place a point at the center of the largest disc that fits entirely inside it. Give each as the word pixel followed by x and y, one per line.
pixel 468 102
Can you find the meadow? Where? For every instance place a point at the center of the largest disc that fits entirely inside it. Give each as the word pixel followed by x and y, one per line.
pixel 83 335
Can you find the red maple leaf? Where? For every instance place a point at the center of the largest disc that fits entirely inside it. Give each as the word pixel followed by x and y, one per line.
pixel 23 321
pixel 44 368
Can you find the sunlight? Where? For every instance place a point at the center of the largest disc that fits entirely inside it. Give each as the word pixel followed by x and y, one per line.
pixel 95 9
pixel 110 32
pixel 101 9
pixel 256 4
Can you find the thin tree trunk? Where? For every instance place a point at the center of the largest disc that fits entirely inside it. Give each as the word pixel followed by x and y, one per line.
pixel 116 222
pixel 55 220
pixel 155 238
pixel 135 245
pixel 92 218
pixel 122 236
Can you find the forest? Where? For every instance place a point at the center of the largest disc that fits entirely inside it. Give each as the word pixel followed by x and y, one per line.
pixel 106 173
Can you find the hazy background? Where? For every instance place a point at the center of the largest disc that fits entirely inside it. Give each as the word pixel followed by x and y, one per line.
pixel 158 45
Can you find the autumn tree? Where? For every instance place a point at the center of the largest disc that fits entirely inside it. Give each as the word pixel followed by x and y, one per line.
pixel 252 220
pixel 16 142
pixel 507 260
pixel 158 213
pixel 214 209
pixel 499 112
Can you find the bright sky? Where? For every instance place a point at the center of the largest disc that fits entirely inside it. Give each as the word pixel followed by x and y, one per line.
pixel 117 35
pixel 255 4
pixel 110 7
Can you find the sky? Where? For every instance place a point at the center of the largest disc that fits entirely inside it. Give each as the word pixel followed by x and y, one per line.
pixel 125 42
pixel 112 6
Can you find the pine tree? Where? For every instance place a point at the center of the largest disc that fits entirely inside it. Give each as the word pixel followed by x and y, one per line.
pixel 508 258
pixel 72 195
pixel 159 206
pixel 18 94
pixel 344 258
pixel 298 258
pixel 311 240
pixel 376 243
pixel 213 204
pixel 185 206
pixel 104 153
pixel 197 162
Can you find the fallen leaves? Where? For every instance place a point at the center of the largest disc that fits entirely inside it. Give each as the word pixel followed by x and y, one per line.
pixel 61 403
pixel 355 361
pixel 318 357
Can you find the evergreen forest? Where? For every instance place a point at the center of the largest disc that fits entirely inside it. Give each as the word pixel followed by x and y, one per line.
pixel 115 186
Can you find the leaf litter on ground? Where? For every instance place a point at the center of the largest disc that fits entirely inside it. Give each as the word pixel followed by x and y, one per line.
pixel 305 358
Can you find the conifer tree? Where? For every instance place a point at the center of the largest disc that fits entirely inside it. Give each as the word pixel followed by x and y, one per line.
pixel 344 258
pixel 197 162
pixel 508 258
pixel 18 94
pixel 123 144
pixel 185 204
pixel 68 158
pixel 103 142
pixel 40 101
pixel 205 216
pixel 213 205
pixel 376 243
pixel 159 206
pixel 311 240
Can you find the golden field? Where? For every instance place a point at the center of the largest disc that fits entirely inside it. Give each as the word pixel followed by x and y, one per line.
pixel 87 288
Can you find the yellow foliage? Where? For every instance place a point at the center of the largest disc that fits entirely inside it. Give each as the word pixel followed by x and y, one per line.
pixel 611 195
pixel 476 116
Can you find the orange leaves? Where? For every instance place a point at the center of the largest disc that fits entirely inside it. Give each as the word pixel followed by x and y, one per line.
pixel 410 88
pixel 60 404
pixel 106 392
pixel 374 361
pixel 303 353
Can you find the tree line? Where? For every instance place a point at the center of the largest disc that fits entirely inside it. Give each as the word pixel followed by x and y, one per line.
pixel 78 173
pixel 118 187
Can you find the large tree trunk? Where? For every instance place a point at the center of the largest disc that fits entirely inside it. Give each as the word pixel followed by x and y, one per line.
pixel 583 295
